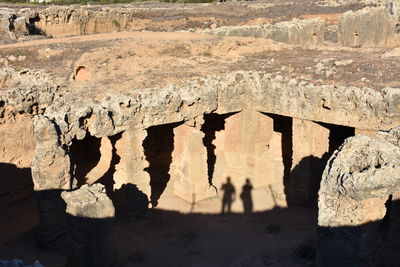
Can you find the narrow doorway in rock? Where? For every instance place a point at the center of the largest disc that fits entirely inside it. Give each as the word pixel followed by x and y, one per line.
pixel 85 155
pixel 94 160
pixel 158 147
pixel 213 123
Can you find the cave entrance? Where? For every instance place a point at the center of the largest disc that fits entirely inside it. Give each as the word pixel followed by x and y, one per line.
pixel 85 155
pixel 158 147
pixel 94 160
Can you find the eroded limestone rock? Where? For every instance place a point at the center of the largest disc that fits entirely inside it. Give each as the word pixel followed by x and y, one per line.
pixel 358 177
pixel 27 91
pixel 89 212
pixel 368 27
pixel 89 202
pixel 15 24
pixel 355 187
pixel 301 32
pixel 51 167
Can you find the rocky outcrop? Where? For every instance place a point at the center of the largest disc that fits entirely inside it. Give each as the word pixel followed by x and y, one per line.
pixel 369 27
pixel 15 24
pixel 6 18
pixel 67 21
pixel 89 213
pixel 51 167
pixel 301 32
pixel 359 176
pixel 26 91
pixel 342 105
pixel 23 94
pixel 358 182
pixel 89 202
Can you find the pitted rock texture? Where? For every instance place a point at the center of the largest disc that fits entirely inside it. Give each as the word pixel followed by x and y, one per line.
pixel 16 24
pixel 26 91
pixel 89 201
pixel 59 21
pixel 369 27
pixel 358 179
pixel 301 32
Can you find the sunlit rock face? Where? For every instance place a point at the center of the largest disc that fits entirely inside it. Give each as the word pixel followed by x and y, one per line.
pixel 358 179
pixel 358 187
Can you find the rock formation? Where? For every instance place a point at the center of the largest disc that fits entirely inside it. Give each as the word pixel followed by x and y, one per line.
pixel 89 212
pixel 122 122
pixel 368 27
pixel 356 183
pixel 302 32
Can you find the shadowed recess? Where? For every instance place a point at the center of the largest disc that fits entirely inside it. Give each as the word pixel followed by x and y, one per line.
pixel 158 147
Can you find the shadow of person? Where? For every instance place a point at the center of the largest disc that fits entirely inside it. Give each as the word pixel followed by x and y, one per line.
pixel 246 198
pixel 383 227
pixel 229 195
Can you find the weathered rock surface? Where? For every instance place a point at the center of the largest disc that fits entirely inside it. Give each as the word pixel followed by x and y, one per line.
pixel 23 94
pixel 61 21
pixel 26 91
pixel 89 202
pixel 301 32
pixel 355 189
pixel 368 27
pixel 90 230
pixel 15 24
pixel 51 167
pixel 358 177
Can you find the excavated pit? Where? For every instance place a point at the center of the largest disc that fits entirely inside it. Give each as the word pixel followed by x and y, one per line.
pixel 211 150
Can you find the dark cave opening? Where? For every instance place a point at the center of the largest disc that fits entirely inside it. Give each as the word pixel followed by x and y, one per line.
pixel 94 160
pixel 213 123
pixel 158 147
pixel 85 155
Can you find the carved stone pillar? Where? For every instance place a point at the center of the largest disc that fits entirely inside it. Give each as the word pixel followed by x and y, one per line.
pixel 189 163
pixel 310 143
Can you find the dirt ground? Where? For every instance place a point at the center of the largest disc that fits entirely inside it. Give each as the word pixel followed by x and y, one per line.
pixel 279 237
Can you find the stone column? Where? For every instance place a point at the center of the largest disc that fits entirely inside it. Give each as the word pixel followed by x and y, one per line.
pixel 310 143
pixel 131 183
pixel 130 169
pixel 89 216
pixel 189 163
pixel 51 173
